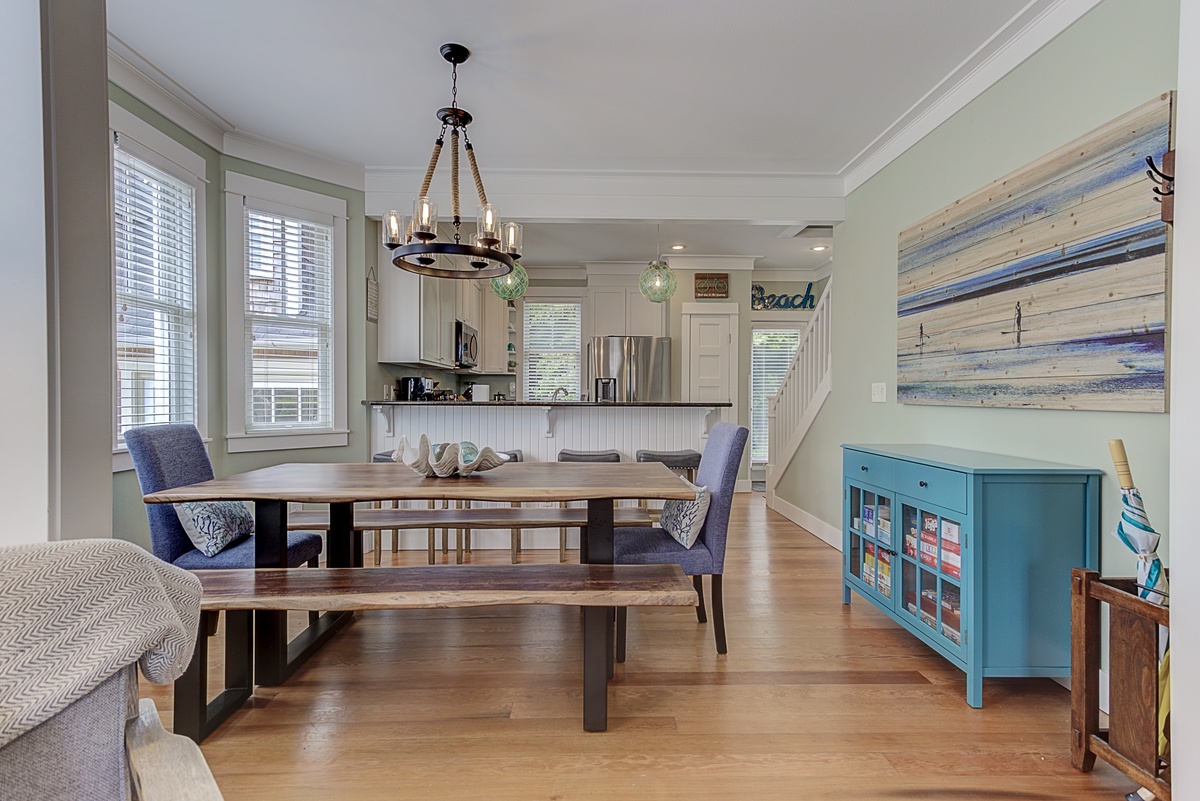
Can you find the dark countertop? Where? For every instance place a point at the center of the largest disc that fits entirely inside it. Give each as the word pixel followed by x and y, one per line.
pixel 544 404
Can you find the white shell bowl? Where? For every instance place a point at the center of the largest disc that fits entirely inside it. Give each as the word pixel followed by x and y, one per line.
pixel 446 460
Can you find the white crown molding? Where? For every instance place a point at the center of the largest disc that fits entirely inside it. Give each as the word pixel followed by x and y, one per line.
pixel 282 156
pixel 133 73
pixel 1029 31
pixel 793 273
pixel 591 195
pixel 709 263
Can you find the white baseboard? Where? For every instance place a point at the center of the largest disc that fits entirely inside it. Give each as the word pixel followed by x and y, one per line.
pixel 831 535
pixel 744 485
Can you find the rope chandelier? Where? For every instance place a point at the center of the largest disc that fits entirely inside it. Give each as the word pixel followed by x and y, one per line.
pixel 494 247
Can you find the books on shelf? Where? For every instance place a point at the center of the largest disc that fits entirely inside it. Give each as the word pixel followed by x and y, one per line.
pixel 883 570
pixel 929 604
pixel 951 613
pixel 868 520
pixel 868 569
pixel 951 549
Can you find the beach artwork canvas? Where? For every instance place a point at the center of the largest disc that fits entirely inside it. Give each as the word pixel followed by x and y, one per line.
pixel 1048 287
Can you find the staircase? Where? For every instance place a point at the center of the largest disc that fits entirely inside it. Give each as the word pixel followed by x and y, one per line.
pixel 791 411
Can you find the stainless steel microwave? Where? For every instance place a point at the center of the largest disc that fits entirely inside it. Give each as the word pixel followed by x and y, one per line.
pixel 466 345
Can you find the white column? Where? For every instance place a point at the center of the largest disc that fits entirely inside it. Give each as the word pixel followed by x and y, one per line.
pixel 24 456
pixel 1185 422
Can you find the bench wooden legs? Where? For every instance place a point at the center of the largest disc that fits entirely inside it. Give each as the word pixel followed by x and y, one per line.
pixel 194 716
pixel 516 535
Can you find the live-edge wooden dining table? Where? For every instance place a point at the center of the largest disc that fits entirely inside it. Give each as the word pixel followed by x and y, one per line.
pixel 341 485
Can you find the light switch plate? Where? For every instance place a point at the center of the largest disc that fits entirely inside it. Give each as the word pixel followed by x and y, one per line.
pixel 879 393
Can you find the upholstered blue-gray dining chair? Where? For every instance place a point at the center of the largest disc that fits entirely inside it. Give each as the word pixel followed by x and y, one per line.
pixel 170 456
pixel 653 546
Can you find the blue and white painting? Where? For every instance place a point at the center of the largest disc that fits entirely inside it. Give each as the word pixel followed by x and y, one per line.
pixel 1046 288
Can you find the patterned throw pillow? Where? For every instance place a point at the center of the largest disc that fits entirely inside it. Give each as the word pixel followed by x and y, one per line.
pixel 684 519
pixel 211 525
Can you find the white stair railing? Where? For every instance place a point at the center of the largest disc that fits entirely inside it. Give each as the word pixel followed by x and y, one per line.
pixel 790 411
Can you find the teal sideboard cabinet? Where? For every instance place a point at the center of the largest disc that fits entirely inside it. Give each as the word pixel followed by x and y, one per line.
pixel 971 552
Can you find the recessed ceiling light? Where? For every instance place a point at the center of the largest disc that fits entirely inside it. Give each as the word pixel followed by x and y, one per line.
pixel 678 247
pixel 819 248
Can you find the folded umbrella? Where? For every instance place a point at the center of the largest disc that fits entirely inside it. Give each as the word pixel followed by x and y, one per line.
pixel 1139 536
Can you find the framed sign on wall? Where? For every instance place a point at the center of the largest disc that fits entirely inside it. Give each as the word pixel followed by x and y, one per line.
pixel 712 285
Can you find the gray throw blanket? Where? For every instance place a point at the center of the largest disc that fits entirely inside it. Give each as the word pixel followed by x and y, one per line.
pixel 74 613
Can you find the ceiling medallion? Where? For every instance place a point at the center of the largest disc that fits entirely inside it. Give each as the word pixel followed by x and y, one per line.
pixel 494 247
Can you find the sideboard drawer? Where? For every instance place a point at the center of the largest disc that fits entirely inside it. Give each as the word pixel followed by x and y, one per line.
pixel 869 468
pixel 933 485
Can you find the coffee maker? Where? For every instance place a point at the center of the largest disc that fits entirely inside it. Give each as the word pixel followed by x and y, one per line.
pixel 411 388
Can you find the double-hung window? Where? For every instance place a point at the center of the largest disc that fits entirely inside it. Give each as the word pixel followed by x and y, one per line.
pixel 157 281
pixel 287 321
pixel 771 352
pixel 552 348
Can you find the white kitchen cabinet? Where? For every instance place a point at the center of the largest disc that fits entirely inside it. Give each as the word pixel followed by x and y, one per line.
pixel 623 311
pixel 470 303
pixel 493 335
pixel 416 317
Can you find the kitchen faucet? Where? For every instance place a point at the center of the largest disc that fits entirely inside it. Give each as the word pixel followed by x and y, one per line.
pixel 554 397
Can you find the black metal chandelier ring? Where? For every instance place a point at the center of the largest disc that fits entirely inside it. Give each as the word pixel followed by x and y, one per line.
pixel 416 259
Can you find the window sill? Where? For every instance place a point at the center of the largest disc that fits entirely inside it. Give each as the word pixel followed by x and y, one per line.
pixel 286 440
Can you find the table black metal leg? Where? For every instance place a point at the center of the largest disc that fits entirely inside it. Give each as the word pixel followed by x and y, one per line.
pixel 600 552
pixel 340 541
pixel 595 679
pixel 275 658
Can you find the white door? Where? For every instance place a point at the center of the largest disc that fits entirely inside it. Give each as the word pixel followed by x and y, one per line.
pixel 710 359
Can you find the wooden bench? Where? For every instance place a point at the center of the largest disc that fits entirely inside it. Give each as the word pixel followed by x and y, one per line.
pixel 596 588
pixel 515 519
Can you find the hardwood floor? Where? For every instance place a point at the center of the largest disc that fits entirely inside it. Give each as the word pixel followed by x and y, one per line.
pixel 815 700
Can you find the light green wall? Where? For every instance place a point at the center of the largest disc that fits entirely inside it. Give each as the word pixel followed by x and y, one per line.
pixel 1106 64
pixel 129 516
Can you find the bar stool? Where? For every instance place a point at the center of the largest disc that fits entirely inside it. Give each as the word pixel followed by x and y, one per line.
pixel 686 462
pixel 568 455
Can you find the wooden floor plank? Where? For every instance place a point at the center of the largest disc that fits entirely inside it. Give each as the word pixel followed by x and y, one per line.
pixel 814 700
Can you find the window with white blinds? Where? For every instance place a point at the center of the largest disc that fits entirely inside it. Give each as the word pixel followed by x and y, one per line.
pixel 288 332
pixel 154 218
pixel 771 352
pixel 552 349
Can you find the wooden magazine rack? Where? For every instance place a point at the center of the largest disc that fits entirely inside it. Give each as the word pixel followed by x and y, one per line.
pixel 1131 742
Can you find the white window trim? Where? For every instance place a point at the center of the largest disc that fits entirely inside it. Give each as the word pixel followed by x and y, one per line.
pixel 562 295
pixel 304 204
pixel 160 150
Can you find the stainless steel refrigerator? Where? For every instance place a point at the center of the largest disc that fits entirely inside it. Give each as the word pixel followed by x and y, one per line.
pixel 639 366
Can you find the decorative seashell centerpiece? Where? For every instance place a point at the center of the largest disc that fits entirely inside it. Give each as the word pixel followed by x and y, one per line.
pixel 445 459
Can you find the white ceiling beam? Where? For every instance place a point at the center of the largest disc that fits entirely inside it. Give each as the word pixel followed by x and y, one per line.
pixel 562 196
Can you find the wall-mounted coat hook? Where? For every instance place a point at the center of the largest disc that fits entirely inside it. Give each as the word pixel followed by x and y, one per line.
pixel 1164 179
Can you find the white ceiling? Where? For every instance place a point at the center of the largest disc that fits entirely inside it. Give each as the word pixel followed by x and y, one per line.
pixel 757 86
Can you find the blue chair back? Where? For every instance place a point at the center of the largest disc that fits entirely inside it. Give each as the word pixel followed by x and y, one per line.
pixel 167 457
pixel 718 471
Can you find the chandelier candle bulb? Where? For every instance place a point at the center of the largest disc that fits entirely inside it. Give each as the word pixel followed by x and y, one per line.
pixel 513 236
pixel 394 226
pixel 425 218
pixel 488 225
